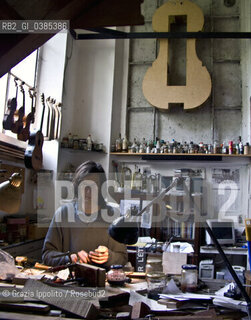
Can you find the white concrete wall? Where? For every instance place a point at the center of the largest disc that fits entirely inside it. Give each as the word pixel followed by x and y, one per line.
pixel 246 69
pixel 88 94
pixel 50 82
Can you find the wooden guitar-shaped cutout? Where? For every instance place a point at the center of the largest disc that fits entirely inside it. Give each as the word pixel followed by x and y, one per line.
pixel 18 125
pixel 25 132
pixel 8 119
pixel 198 82
pixel 33 156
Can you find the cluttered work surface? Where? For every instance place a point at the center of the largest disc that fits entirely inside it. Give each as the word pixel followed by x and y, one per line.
pixel 82 291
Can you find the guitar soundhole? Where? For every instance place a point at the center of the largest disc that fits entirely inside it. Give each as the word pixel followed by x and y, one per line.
pixel 177 50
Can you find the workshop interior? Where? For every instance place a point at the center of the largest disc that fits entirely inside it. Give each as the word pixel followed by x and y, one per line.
pixel 125 159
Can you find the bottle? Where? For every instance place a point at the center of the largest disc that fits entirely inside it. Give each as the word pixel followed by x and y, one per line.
pixel 148 148
pixel 224 148
pixel 173 146
pixel 144 144
pixel 118 144
pixel 137 146
pixel 178 148
pixel 230 147
pixel 191 147
pixel 141 148
pixel 241 149
pixel 134 146
pixel 70 140
pixel 201 147
pixel 185 147
pixel 237 148
pixel 89 143
pixel 246 148
pixel 157 150
pixel 125 145
pixel 210 148
pixel 216 147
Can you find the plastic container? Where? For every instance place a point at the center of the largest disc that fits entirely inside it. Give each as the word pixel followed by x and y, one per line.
pixel 189 278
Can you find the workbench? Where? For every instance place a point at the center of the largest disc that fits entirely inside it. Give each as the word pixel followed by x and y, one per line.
pixel 119 303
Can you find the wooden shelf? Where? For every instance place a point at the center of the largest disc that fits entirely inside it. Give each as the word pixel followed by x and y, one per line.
pixel 71 150
pixel 181 154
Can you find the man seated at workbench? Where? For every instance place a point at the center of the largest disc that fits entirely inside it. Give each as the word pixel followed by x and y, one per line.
pixel 79 227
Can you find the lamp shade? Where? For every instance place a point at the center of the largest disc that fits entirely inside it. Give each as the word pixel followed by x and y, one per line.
pixel 124 230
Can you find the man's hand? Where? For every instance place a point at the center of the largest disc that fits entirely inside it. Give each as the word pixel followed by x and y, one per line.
pixel 81 256
pixel 100 255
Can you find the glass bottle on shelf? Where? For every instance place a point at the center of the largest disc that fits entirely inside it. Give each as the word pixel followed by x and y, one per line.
pixel 237 148
pixel 118 144
pixel 125 144
pixel 70 140
pixel 224 148
pixel 185 147
pixel 134 146
pixel 173 146
pixel 157 146
pixel 89 143
pixel 148 148
pixel 241 148
pixel 191 147
pixel 144 143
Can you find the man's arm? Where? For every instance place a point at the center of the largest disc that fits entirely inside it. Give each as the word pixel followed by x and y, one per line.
pixel 117 253
pixel 53 244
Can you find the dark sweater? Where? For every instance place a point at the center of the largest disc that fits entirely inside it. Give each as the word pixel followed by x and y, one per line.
pixel 68 232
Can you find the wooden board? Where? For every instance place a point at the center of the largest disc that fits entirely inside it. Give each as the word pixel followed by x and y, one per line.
pixel 62 299
pixel 95 276
pixel 198 82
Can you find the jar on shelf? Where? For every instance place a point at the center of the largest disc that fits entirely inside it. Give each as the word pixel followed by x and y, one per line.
pixel 65 142
pixel 189 278
pixel 76 144
pixel 116 275
pixel 156 282
pixel 246 148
